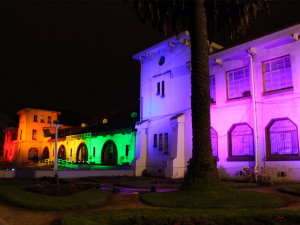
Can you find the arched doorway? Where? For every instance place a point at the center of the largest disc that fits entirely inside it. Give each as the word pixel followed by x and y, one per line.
pixel 61 152
pixel 46 153
pixel 82 153
pixel 109 153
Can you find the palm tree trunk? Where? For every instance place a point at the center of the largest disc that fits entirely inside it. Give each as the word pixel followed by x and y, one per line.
pixel 202 164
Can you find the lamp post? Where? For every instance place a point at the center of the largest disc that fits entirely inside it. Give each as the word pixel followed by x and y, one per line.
pixel 56 125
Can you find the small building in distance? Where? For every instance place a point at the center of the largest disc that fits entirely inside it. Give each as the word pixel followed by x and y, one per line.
pixel 109 139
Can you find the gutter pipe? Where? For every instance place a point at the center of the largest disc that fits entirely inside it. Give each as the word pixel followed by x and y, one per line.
pixel 255 116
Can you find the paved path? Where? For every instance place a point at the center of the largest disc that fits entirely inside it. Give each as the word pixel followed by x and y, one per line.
pixel 18 216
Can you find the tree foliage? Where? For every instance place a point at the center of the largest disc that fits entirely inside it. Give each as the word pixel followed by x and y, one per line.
pixel 233 16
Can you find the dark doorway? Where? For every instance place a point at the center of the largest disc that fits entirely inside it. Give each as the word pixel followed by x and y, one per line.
pixel 82 154
pixel 61 152
pixel 46 153
pixel 109 153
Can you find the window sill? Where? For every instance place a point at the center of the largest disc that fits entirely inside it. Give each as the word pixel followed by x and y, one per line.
pixel 289 90
pixel 163 96
pixel 240 158
pixel 238 99
pixel 283 158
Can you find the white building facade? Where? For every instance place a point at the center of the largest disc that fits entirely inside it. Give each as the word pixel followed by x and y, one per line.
pixel 255 107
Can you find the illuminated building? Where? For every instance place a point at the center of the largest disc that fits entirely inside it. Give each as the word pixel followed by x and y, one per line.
pixel 240 110
pixel 108 140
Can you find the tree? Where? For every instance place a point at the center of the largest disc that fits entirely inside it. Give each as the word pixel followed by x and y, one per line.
pixel 202 18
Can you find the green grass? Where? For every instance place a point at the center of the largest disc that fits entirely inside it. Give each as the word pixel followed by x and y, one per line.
pixel 90 198
pixel 133 182
pixel 211 194
pixel 291 189
pixel 217 216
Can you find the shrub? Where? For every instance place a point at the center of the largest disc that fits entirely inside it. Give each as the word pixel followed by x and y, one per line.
pixel 262 179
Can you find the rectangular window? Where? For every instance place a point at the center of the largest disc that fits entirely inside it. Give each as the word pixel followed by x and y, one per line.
pixel 158 88
pixel 166 143
pixel 33 134
pixel 42 119
pixel 238 83
pixel 127 150
pixel 94 152
pixel 34 118
pixel 7 137
pixel 49 119
pixel 71 153
pixel 160 142
pixel 162 88
pixel 277 74
pixel 212 89
pixel 155 140
pixel 21 135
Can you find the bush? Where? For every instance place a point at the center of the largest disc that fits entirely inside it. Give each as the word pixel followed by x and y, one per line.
pixel 262 179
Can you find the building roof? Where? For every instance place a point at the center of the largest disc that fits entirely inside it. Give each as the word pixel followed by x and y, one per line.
pixel 272 39
pixel 33 109
pixel 116 121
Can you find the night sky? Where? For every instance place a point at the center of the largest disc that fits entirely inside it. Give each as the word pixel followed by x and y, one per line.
pixel 78 55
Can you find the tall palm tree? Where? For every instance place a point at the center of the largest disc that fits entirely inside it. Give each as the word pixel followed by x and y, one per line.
pixel 202 18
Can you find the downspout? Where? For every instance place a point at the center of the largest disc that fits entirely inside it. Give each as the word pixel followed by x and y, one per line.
pixel 255 116
pixel 141 98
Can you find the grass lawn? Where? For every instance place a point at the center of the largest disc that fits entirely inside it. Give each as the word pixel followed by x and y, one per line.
pixel 204 216
pixel 137 182
pixel 211 194
pixel 90 198
pixel 291 189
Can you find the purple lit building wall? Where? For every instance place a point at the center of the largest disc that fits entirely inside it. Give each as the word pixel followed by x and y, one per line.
pixel 255 107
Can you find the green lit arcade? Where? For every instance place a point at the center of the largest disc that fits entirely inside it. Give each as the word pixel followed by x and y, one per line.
pixel 103 142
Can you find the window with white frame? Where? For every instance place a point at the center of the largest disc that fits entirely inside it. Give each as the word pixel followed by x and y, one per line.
pixel 277 74
pixel 214 142
pixel 212 89
pixel 282 138
pixel 238 83
pixel 241 140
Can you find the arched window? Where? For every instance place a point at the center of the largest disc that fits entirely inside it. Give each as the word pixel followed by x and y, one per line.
pixel 282 138
pixel 214 142
pixel 241 143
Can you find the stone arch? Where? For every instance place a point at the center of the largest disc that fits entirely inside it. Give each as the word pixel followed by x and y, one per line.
pixel 82 153
pixel 109 155
pixel 45 153
pixel 61 154
pixel 33 154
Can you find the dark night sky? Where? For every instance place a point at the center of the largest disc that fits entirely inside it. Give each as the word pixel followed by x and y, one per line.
pixel 78 55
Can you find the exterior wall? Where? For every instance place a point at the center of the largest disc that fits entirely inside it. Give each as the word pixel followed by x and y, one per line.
pixel 158 111
pixel 98 142
pixel 9 144
pixel 26 127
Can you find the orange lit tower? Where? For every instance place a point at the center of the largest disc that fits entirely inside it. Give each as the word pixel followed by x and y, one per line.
pixel 30 134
